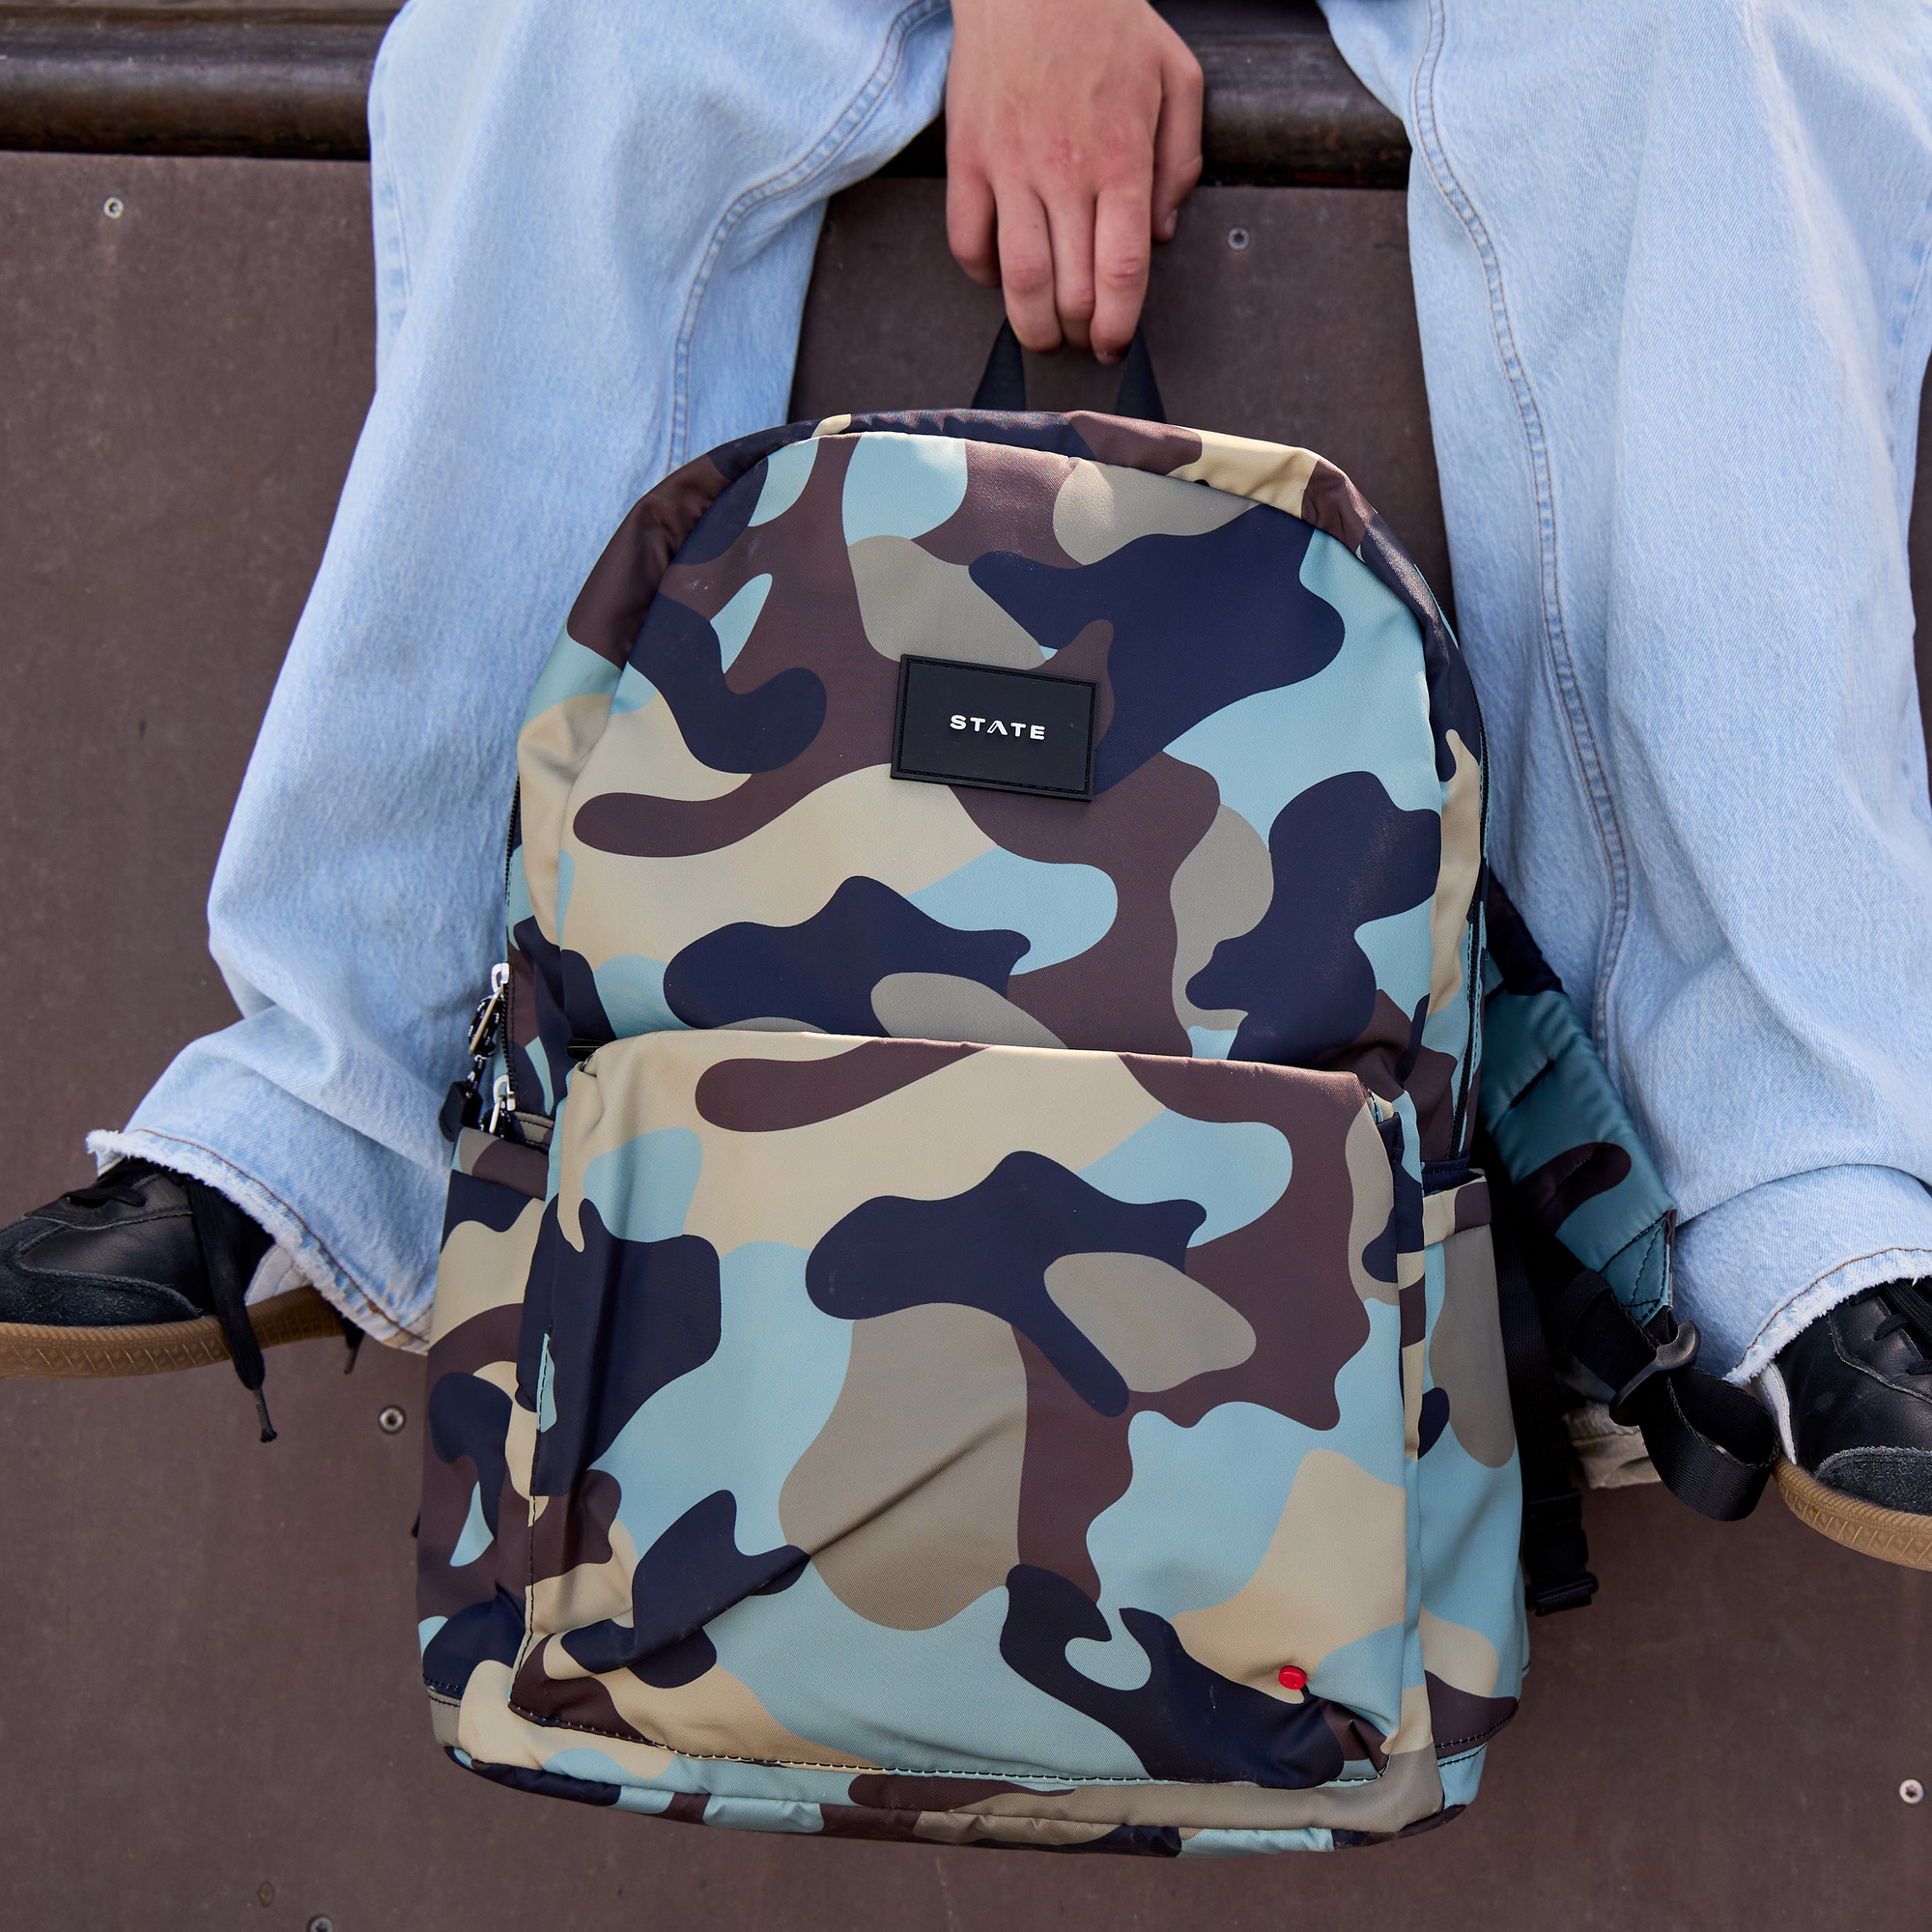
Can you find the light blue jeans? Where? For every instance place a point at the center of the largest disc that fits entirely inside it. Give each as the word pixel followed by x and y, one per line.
pixel 594 225
pixel 1669 266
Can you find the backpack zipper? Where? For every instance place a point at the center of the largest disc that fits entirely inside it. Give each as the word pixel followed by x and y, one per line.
pixel 1458 1122
pixel 511 839
pixel 463 1104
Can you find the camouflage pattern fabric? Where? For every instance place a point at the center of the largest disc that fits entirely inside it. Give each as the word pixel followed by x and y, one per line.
pixel 1007 1284
pixel 1559 1126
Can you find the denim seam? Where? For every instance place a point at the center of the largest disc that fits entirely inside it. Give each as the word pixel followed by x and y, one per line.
pixel 1895 378
pixel 1583 739
pixel 1902 341
pixel 1905 409
pixel 857 112
pixel 390 184
pixel 1820 1280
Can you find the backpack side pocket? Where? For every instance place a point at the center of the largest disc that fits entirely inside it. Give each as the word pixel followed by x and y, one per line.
pixel 475 1483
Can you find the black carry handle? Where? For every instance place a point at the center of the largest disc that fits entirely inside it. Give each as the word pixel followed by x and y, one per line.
pixel 1004 385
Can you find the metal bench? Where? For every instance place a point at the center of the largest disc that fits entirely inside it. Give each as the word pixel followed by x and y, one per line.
pixel 290 82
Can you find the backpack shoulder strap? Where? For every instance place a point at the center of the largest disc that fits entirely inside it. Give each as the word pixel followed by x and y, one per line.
pixel 1565 1170
pixel 1712 1443
pixel 1556 1552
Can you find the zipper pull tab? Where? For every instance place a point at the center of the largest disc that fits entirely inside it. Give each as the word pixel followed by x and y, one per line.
pixel 463 1104
pixel 499 1101
pixel 485 1022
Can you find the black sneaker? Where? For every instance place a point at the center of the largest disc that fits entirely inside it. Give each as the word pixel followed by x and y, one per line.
pixel 1852 1398
pixel 142 1272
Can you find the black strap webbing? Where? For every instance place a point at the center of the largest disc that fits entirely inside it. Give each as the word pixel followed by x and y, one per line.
pixel 1710 1442
pixel 1004 385
pixel 1139 394
pixel 1555 1553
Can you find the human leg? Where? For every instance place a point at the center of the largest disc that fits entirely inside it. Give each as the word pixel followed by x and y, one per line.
pixel 1669 269
pixel 594 229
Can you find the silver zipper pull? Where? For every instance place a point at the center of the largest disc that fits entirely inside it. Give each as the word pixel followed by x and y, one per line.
pixel 500 1100
pixel 486 1014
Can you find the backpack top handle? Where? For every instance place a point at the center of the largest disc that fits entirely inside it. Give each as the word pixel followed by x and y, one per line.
pixel 1003 387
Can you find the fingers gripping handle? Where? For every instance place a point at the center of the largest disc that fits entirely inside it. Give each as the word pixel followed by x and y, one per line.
pixel 1004 385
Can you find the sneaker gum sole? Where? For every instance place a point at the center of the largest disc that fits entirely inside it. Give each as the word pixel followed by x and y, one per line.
pixel 1892 1536
pixel 44 1353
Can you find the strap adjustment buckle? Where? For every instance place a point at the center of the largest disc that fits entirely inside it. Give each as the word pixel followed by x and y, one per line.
pixel 1573 1594
pixel 1679 1352
pixel 1554 1551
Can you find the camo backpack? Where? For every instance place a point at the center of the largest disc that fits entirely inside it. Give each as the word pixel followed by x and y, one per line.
pixel 966 1313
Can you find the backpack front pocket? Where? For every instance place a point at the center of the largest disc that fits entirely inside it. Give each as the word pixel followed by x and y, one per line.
pixel 992 1411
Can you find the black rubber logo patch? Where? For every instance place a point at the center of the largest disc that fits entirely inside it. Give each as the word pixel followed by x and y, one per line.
pixel 1006 730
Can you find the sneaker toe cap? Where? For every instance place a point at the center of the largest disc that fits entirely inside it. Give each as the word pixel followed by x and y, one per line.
pixel 1894 1478
pixel 33 1292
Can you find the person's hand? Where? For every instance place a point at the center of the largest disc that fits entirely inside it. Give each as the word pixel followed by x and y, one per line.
pixel 1072 136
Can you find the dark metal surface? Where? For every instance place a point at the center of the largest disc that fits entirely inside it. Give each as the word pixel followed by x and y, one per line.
pixel 158 80
pixel 1281 105
pixel 208 1672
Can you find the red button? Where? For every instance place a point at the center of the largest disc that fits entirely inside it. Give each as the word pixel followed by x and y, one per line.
pixel 1293 1677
